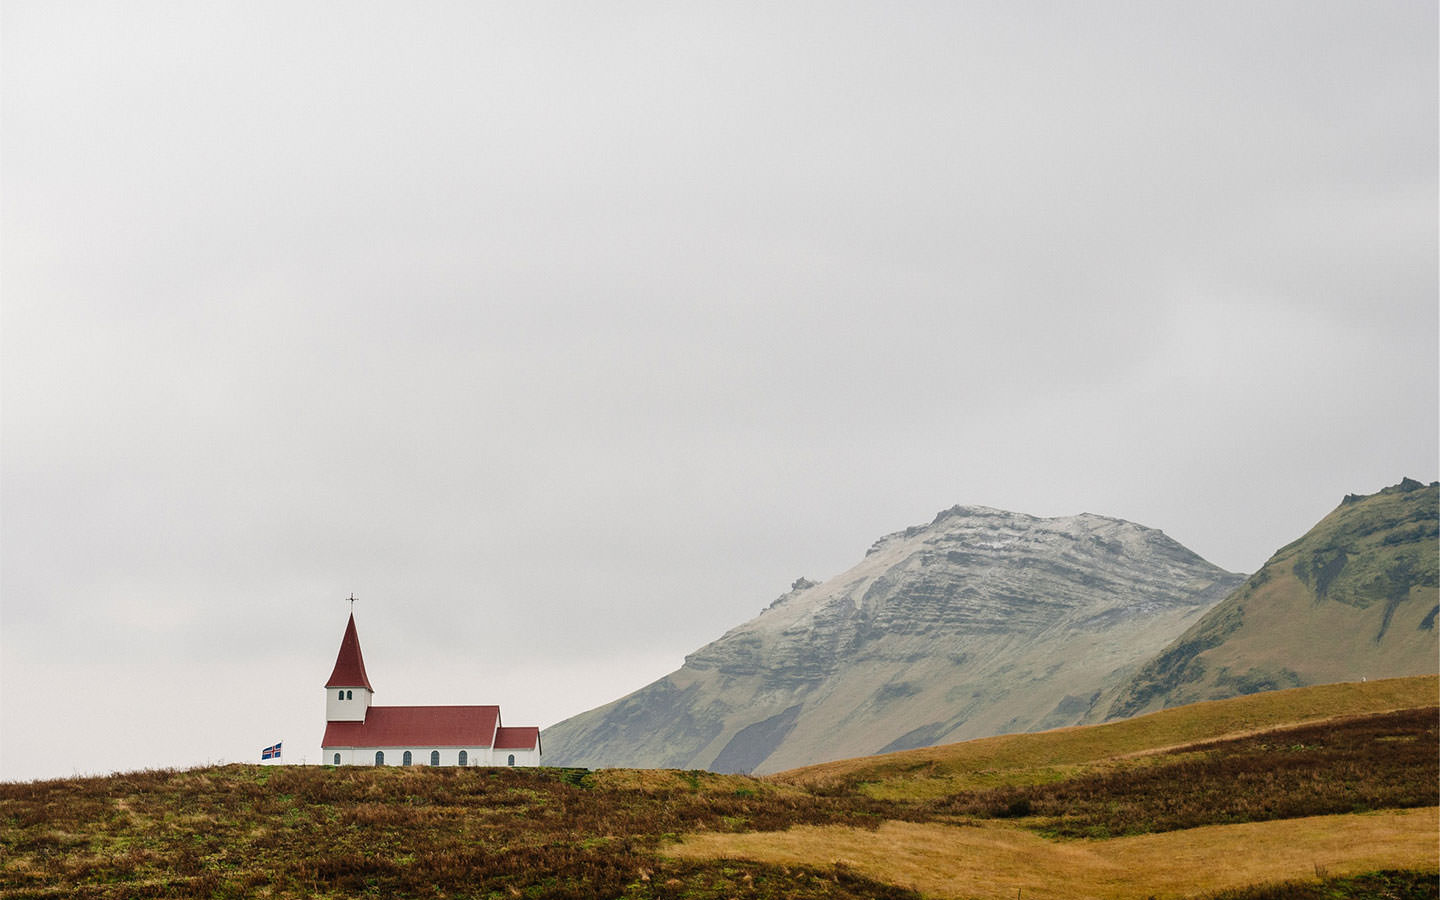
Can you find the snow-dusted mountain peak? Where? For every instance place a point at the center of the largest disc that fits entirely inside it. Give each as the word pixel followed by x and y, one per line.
pixel 918 642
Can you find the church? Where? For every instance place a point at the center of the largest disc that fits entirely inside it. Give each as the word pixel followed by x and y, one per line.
pixel 359 734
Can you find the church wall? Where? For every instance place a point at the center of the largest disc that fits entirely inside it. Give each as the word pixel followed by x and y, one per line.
pixel 522 757
pixel 347 756
pixel 352 710
pixel 420 756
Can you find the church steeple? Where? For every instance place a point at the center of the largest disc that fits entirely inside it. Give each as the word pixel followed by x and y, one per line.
pixel 350 664
pixel 348 677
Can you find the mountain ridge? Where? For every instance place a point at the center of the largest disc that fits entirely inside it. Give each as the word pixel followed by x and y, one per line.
pixel 979 622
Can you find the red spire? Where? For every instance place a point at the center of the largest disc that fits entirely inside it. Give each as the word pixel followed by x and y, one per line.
pixel 350 665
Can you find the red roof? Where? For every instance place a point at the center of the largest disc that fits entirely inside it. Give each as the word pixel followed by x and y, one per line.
pixel 350 665
pixel 526 737
pixel 418 726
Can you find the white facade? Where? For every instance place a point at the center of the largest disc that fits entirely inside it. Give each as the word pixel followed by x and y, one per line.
pixel 516 757
pixel 424 756
pixel 346 704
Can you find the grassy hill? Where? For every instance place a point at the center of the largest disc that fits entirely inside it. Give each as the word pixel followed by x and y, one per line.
pixel 1014 759
pixel 1335 787
pixel 1357 596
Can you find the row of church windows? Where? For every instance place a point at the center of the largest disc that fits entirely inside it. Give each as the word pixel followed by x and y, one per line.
pixel 407 759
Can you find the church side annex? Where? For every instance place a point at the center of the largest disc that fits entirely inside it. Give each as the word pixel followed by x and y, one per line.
pixel 360 734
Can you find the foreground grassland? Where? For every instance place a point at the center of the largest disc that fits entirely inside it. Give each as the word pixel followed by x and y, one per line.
pixel 1344 807
pixel 1003 861
pixel 248 831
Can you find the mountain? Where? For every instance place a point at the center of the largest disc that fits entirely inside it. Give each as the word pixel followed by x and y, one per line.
pixel 979 623
pixel 1354 598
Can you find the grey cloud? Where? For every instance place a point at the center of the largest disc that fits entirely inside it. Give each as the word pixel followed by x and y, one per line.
pixel 577 330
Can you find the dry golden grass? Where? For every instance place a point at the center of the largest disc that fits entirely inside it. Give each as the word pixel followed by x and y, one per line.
pixel 1002 861
pixel 1039 757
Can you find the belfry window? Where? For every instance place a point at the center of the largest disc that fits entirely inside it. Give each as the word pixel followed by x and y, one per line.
pixel 349 695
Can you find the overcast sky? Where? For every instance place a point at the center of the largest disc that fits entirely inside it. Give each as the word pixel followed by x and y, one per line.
pixel 566 336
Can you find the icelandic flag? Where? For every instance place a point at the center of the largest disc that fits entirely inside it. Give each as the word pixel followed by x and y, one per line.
pixel 270 752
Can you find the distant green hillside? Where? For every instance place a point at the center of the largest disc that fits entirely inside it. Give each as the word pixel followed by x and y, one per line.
pixel 1355 598
pixel 1031 758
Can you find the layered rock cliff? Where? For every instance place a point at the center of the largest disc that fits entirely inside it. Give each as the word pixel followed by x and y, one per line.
pixel 981 622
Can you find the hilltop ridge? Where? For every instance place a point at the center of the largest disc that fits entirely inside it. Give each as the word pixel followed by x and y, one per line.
pixel 1355 597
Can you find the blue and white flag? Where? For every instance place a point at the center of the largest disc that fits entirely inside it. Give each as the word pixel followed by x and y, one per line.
pixel 270 752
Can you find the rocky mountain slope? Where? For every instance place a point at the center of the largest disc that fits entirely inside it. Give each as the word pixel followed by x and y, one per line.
pixel 1356 597
pixel 979 623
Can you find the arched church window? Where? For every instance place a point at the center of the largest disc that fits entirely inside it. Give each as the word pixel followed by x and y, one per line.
pixel 464 758
pixel 349 695
pixel 434 757
pixel 511 761
pixel 379 757
pixel 340 695
pixel 407 760
pixel 337 759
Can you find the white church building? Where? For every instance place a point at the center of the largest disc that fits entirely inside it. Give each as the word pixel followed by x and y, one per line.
pixel 358 733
